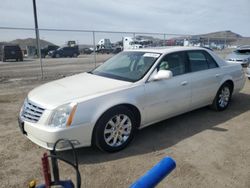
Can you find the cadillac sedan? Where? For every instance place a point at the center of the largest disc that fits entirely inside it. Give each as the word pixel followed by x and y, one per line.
pixel 130 91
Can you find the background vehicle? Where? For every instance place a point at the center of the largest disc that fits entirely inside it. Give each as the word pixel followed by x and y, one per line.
pixel 241 56
pixel 104 46
pixel 248 71
pixel 11 52
pixel 130 43
pixel 65 52
pixel 46 50
pixel 130 91
pixel 87 51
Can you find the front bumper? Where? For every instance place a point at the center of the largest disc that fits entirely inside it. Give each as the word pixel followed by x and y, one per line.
pixel 46 136
pixel 248 72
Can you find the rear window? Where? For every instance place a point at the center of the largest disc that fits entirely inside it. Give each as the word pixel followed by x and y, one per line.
pixel 12 48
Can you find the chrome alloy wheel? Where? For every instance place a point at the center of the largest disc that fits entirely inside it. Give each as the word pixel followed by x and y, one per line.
pixel 224 97
pixel 117 130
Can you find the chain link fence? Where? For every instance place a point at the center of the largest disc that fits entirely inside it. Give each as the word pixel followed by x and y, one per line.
pixel 65 52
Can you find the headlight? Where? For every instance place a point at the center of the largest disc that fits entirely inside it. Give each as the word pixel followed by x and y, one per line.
pixel 23 107
pixel 245 60
pixel 63 115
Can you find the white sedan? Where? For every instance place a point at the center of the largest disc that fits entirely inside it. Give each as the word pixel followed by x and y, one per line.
pixel 130 91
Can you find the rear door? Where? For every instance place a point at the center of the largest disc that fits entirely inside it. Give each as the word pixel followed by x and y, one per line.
pixel 205 75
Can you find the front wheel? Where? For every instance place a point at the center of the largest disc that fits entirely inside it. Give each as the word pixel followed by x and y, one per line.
pixel 115 129
pixel 223 97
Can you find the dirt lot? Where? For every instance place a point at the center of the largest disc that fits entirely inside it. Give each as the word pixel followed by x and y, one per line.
pixel 211 148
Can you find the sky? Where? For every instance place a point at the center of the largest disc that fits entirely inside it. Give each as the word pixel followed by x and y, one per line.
pixel 161 16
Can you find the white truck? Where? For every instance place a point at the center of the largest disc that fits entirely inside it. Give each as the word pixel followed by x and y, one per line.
pixel 130 43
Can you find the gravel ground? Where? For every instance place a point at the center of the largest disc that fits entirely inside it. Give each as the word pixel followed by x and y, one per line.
pixel 211 149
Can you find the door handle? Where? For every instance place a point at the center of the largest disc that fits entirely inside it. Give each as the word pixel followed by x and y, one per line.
pixel 217 75
pixel 184 83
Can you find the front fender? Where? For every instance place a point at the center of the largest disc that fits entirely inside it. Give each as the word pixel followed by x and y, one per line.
pixel 91 110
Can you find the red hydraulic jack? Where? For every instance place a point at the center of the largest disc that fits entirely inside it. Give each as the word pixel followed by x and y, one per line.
pixel 54 164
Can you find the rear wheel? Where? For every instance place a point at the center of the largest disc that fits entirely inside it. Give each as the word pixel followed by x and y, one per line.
pixel 248 78
pixel 57 55
pixel 223 97
pixel 74 55
pixel 115 129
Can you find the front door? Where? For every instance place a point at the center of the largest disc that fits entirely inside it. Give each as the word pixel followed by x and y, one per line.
pixel 165 98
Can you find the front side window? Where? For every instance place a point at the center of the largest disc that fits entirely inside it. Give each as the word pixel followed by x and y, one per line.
pixel 175 62
pixel 127 66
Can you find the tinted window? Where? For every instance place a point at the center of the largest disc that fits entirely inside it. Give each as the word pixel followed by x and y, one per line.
pixel 243 51
pixel 12 48
pixel 176 62
pixel 197 61
pixel 211 62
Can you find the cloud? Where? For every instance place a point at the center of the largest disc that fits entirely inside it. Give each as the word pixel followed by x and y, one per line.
pixel 172 16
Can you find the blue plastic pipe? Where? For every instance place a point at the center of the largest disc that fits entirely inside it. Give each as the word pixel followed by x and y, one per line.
pixel 152 177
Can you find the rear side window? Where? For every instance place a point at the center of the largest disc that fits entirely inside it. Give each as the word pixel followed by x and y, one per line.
pixel 200 60
pixel 210 60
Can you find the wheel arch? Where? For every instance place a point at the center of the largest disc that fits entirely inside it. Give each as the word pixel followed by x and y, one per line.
pixel 230 82
pixel 129 106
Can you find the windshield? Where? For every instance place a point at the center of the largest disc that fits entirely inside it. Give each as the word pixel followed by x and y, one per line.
pixel 243 51
pixel 127 66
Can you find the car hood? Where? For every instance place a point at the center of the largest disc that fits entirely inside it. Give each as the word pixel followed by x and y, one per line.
pixel 236 57
pixel 80 86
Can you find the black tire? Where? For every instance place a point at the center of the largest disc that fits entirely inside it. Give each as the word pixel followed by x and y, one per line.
pixel 21 59
pixel 57 56
pixel 223 97
pixel 100 138
pixel 4 59
pixel 75 55
pixel 248 78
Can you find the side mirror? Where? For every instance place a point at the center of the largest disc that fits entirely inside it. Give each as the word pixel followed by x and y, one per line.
pixel 161 75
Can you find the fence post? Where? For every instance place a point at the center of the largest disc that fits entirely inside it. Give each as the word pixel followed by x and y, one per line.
pixel 164 37
pixel 37 37
pixel 94 47
pixel 225 41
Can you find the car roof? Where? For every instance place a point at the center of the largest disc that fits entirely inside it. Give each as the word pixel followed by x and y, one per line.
pixel 11 45
pixel 165 50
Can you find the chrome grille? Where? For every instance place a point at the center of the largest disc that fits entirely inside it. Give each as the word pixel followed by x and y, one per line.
pixel 31 112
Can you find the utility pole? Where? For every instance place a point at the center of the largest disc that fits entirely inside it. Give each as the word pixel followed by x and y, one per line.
pixel 37 37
